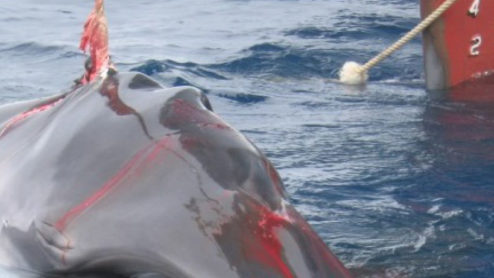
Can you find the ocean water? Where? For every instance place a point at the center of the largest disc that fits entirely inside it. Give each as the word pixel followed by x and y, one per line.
pixel 398 183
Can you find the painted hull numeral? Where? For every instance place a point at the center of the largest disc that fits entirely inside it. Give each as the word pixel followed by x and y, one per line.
pixel 474 8
pixel 476 43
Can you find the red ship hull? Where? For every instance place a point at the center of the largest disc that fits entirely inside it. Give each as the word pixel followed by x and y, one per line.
pixel 459 49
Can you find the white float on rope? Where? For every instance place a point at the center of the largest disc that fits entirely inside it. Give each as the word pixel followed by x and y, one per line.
pixel 353 73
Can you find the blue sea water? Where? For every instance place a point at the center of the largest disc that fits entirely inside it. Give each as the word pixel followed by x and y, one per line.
pixel 397 183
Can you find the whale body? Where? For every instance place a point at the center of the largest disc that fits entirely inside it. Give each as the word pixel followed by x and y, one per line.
pixel 124 178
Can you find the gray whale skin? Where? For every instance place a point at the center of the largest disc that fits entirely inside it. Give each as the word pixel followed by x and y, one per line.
pixel 124 178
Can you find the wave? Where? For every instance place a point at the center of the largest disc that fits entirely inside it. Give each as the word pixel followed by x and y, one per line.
pixel 279 60
pixel 309 62
pixel 175 73
pixel 151 67
pixel 38 52
pixel 352 26
pixel 33 48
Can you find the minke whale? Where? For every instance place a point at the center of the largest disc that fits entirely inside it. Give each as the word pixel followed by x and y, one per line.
pixel 121 177
pixel 124 178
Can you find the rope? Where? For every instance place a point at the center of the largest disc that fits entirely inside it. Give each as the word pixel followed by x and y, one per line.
pixel 410 35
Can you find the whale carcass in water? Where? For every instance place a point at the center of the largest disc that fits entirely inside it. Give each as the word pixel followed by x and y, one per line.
pixel 123 177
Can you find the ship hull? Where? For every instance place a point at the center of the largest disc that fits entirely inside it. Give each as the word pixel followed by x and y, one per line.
pixel 459 48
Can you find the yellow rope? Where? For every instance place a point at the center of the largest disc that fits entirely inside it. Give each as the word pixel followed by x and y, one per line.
pixel 410 35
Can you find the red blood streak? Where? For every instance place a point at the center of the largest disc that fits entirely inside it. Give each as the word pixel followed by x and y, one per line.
pixel 62 223
pixel 158 147
pixel 270 253
pixel 135 165
pixel 334 264
pixel 20 117
pixel 95 38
